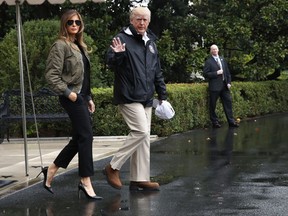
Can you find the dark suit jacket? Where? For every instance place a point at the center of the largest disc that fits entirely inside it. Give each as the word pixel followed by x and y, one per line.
pixel 210 72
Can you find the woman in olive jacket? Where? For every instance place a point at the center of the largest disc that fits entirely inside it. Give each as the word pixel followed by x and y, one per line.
pixel 68 74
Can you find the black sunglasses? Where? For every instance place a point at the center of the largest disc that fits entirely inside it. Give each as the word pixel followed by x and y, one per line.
pixel 77 22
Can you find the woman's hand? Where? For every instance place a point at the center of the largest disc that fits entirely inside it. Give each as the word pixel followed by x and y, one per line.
pixel 91 106
pixel 72 96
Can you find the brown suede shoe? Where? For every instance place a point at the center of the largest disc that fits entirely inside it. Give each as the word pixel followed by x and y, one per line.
pixel 144 186
pixel 112 177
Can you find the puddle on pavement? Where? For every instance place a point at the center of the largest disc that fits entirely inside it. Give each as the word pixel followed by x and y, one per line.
pixel 195 167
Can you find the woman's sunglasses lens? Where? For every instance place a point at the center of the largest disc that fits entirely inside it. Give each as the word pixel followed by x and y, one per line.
pixel 70 22
pixel 78 22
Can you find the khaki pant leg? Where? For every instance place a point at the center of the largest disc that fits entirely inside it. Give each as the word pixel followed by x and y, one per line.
pixel 137 145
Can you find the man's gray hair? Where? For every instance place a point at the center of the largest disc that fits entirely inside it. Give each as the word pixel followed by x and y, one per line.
pixel 140 11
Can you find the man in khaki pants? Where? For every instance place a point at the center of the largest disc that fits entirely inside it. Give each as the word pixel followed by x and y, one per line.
pixel 133 56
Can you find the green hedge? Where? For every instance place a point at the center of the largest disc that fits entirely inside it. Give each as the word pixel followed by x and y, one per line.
pixel 190 102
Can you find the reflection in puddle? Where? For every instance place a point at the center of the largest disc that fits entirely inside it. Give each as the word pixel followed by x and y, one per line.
pixel 220 155
pixel 141 202
pixel 87 208
pixel 234 171
pixel 115 205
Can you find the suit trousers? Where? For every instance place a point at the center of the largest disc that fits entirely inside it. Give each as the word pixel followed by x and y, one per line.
pixel 137 145
pixel 226 100
pixel 82 137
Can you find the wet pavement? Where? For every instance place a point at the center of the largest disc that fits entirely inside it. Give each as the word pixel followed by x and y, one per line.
pixel 241 171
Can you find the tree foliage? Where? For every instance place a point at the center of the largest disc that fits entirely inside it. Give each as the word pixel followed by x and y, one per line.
pixel 38 38
pixel 251 34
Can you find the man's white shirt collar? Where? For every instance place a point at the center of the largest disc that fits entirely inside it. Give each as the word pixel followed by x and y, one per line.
pixel 145 37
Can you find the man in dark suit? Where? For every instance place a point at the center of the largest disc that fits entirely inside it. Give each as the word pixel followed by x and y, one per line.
pixel 218 74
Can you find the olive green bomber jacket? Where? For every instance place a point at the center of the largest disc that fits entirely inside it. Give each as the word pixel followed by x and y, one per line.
pixel 64 68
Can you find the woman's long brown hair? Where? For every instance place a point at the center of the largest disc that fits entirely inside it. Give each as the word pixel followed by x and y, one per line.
pixel 64 34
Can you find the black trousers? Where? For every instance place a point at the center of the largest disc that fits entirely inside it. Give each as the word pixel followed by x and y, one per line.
pixel 82 137
pixel 226 100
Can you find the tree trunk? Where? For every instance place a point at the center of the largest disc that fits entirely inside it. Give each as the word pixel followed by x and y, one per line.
pixel 275 75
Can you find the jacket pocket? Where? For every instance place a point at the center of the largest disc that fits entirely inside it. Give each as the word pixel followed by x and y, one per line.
pixel 74 68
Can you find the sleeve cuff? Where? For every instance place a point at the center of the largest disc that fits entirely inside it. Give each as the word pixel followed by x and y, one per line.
pixel 67 92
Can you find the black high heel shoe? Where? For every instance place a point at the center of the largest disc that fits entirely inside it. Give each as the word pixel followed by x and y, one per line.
pixel 81 187
pixel 45 171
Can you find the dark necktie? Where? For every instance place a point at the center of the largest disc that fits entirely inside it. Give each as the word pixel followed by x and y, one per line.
pixel 220 66
pixel 218 63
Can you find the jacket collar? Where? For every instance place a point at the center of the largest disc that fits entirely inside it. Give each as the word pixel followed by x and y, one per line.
pixel 130 30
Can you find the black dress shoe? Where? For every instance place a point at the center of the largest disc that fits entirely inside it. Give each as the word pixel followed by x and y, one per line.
pixel 44 170
pixel 233 124
pixel 81 187
pixel 216 125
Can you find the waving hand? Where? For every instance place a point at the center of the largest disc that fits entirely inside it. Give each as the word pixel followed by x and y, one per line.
pixel 117 45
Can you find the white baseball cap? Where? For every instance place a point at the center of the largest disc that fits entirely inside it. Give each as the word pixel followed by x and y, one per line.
pixel 163 110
